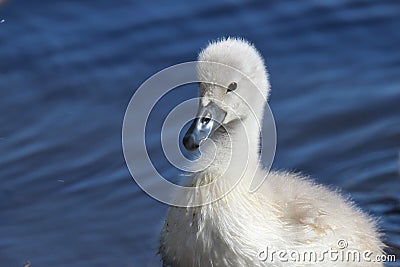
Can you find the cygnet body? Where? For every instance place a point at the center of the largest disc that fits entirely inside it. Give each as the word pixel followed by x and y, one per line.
pixel 288 212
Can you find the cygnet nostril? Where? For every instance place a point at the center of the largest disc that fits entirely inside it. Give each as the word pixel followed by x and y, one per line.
pixel 205 120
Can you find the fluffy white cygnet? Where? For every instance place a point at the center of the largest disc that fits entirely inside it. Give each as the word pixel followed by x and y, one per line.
pixel 289 220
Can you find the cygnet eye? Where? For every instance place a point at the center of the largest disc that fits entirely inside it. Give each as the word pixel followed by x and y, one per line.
pixel 232 86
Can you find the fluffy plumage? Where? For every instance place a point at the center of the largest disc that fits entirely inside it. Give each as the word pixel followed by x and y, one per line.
pixel 288 212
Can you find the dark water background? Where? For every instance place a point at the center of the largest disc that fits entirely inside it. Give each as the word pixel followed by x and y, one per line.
pixel 69 68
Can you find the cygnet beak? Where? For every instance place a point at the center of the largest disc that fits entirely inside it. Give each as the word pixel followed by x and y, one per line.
pixel 208 119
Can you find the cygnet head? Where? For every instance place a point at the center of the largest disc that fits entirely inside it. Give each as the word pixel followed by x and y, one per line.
pixel 233 85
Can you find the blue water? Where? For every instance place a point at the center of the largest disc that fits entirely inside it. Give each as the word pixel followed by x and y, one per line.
pixel 69 68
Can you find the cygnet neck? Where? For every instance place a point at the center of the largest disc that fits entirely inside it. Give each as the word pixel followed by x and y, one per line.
pixel 235 149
